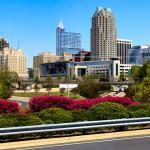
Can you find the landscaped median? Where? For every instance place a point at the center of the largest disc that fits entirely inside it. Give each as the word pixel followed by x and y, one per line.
pixel 59 109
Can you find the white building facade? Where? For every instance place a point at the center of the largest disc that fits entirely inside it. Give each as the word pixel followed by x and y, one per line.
pixel 110 70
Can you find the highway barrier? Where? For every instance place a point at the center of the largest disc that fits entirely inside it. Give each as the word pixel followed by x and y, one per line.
pixel 45 128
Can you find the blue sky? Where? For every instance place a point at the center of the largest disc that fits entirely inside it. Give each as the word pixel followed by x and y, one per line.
pixel 33 22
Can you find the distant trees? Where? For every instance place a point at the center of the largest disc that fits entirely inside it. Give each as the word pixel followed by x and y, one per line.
pixel 138 73
pixel 140 90
pixel 90 88
pixel 143 91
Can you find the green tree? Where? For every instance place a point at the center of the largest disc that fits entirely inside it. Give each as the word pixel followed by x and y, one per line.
pixel 90 76
pixel 36 84
pixel 144 71
pixel 24 87
pixel 138 73
pixel 49 84
pixel 122 76
pixel 66 79
pixel 143 91
pixel 8 80
pixel 135 72
pixel 62 90
pixel 90 88
pixel 58 78
pixel 141 88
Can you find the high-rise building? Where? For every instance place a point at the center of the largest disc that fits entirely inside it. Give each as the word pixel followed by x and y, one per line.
pixel 3 43
pixel 67 41
pixel 103 35
pixel 123 46
pixel 45 57
pixel 14 60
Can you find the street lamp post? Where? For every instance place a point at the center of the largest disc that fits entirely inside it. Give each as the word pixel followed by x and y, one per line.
pixel 68 89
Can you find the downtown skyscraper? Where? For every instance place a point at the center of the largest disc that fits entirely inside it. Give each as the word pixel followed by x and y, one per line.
pixel 103 35
pixel 123 47
pixel 69 42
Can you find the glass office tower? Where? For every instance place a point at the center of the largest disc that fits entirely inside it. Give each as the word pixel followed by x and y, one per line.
pixel 67 41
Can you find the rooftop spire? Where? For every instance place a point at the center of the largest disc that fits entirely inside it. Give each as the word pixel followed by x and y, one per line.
pixel 60 25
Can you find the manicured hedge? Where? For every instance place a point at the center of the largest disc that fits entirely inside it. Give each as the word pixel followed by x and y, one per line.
pixel 140 113
pixel 108 110
pixel 30 120
pixel 43 102
pixel 54 115
pixel 13 120
pixel 7 106
pixel 138 107
pixel 7 122
pixel 79 115
pixel 137 111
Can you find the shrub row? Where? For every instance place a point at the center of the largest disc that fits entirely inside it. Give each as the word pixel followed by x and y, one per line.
pixel 101 111
pixel 39 103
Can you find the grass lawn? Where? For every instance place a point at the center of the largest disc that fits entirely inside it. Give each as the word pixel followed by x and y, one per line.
pixel 31 94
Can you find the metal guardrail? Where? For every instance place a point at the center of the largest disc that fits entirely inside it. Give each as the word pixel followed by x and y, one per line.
pixel 73 126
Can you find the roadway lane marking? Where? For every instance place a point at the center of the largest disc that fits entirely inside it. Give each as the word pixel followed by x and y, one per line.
pixel 73 139
pixel 80 143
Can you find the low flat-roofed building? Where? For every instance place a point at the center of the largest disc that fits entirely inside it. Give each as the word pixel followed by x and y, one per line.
pixel 110 70
pixel 45 57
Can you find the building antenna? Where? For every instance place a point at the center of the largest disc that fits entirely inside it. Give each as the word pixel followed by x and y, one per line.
pixel 18 44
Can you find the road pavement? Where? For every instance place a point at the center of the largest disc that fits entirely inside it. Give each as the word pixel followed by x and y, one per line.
pixel 116 141
pixel 135 143
pixel 21 100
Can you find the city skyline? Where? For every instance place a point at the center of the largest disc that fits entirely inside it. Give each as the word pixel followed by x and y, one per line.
pixel 33 22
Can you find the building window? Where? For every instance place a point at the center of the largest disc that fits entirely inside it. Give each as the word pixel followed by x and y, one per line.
pixel 116 69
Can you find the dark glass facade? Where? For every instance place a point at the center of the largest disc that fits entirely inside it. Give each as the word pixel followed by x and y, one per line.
pixel 54 69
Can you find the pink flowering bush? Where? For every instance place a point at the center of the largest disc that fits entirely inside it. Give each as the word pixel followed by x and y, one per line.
pixel 39 103
pixel 43 102
pixel 7 106
pixel 126 101
pixel 80 104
